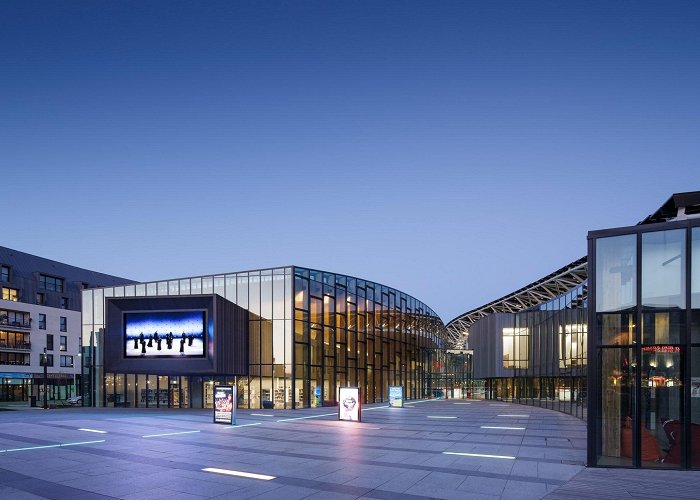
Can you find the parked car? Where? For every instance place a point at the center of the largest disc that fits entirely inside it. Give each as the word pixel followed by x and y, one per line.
pixel 76 400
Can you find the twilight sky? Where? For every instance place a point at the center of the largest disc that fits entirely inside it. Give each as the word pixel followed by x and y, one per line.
pixel 455 150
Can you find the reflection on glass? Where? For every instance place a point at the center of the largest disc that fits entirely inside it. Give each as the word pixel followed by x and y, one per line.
pixel 616 273
pixel 663 269
pixel 616 329
pixel 616 438
pixel 662 327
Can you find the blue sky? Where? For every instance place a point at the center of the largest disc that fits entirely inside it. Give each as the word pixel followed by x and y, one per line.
pixel 454 150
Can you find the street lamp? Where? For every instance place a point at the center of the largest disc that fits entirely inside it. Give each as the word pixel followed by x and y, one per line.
pixel 45 364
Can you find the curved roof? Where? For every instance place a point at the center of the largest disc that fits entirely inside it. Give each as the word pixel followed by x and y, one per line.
pixel 542 290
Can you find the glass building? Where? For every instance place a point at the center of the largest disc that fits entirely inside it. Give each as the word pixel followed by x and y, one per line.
pixel 309 332
pixel 535 357
pixel 644 362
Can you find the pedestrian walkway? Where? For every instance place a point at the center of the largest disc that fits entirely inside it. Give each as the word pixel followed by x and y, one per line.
pixel 428 449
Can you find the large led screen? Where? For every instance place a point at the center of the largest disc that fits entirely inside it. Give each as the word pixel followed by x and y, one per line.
pixel 349 398
pixel 158 334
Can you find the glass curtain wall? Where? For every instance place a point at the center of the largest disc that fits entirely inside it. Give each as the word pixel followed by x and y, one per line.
pixel 352 332
pixel 647 341
pixel 267 294
pixel 545 353
pixel 310 332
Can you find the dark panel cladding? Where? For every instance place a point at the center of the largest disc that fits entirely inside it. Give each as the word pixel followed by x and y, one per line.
pixel 225 335
pixel 231 333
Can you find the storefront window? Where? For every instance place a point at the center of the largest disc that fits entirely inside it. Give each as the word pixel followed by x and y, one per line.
pixel 662 419
pixel 617 414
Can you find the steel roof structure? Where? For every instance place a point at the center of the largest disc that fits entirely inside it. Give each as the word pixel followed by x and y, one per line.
pixel 542 290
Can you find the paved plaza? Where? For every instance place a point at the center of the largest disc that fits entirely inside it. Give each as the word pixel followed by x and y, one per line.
pixel 436 449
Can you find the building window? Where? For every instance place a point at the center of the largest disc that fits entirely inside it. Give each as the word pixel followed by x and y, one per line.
pixel 49 342
pixel 5 273
pixel 51 283
pixel 64 324
pixel 63 343
pixel 64 302
pixel 42 321
pixel 66 361
pixel 10 294
pixel 515 347
pixel 40 298
pixel 573 345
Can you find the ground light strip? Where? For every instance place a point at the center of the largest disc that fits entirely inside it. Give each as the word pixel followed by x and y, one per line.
pixel 434 416
pixel 524 416
pixel 168 434
pixel 260 415
pixel 229 472
pixel 506 428
pixel 375 408
pixel 461 403
pixel 244 425
pixel 52 446
pixel 93 430
pixel 477 455
pixel 302 418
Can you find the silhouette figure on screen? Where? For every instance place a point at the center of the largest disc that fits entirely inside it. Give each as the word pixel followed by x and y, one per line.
pixel 169 340
pixel 190 338
pixel 158 339
pixel 136 342
pixel 182 343
pixel 142 341
pixel 150 340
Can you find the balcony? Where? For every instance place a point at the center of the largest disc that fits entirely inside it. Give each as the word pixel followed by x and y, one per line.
pixel 15 323
pixel 16 346
pixel 14 363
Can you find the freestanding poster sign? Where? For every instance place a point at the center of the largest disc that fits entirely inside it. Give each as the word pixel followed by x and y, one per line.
pixel 349 407
pixel 396 396
pixel 225 404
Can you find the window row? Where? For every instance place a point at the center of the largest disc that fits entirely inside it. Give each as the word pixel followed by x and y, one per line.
pixel 62 323
pixel 663 271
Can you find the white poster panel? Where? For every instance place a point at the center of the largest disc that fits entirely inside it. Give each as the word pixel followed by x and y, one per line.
pixel 349 407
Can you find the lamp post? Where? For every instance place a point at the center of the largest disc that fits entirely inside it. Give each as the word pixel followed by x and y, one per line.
pixel 44 361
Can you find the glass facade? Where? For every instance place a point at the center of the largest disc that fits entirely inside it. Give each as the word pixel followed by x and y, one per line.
pixel 646 343
pixel 310 332
pixel 543 361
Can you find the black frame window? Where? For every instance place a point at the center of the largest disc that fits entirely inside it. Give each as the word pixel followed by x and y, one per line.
pixel 49 342
pixel 63 343
pixel 42 321
pixel 51 283
pixel 4 273
pixel 63 324
pixel 66 361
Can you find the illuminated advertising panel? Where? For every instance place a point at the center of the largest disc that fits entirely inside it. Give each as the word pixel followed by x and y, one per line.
pixel 224 404
pixel 159 334
pixel 396 396
pixel 349 407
